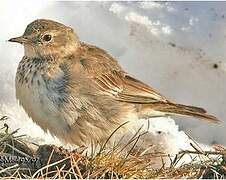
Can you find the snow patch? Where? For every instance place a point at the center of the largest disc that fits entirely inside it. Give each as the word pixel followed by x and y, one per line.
pixel 117 8
pixel 151 5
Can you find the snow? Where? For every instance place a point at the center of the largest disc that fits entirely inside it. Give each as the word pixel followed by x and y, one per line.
pixel 171 46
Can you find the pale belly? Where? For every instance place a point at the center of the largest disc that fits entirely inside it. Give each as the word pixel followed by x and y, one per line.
pixel 40 105
pixel 76 122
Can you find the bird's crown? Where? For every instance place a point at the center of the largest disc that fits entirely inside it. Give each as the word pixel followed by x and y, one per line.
pixel 41 25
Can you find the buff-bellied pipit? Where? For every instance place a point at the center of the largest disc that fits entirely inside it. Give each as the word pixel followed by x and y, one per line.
pixel 78 91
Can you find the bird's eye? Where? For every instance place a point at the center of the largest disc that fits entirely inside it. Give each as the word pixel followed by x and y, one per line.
pixel 47 37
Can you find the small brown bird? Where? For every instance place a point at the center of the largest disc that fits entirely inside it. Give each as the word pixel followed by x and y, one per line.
pixel 78 91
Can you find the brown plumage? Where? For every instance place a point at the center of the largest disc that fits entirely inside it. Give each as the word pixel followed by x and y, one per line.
pixel 78 91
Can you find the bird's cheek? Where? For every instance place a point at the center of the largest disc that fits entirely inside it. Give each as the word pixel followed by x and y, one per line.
pixel 50 46
pixel 51 49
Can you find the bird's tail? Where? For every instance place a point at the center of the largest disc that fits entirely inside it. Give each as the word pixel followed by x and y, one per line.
pixel 179 109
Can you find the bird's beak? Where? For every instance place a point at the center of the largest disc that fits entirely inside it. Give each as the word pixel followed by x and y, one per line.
pixel 21 39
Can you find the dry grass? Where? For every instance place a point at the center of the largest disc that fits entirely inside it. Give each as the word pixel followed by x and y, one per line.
pixel 48 161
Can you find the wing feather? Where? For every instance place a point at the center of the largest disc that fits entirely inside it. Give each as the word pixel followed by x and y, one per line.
pixel 112 80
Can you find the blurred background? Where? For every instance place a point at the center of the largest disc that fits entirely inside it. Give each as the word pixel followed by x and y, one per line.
pixel 176 47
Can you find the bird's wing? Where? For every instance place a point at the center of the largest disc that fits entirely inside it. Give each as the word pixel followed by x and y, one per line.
pixel 112 80
pixel 109 78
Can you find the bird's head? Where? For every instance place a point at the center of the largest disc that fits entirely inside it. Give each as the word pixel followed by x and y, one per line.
pixel 47 38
